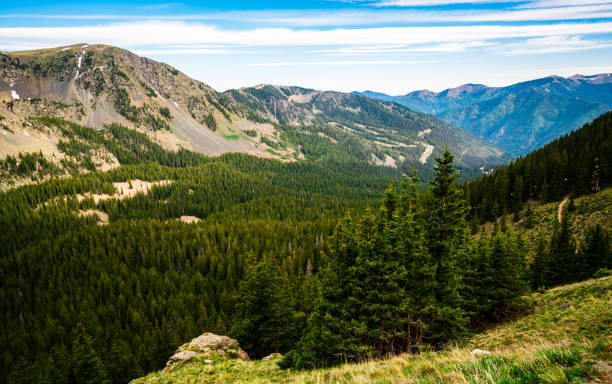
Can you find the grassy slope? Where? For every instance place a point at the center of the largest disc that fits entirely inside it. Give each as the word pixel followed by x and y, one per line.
pixel 590 210
pixel 548 345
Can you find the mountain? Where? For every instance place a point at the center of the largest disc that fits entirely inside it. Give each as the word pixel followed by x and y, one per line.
pixel 386 133
pixel 574 164
pixel 521 117
pixel 96 85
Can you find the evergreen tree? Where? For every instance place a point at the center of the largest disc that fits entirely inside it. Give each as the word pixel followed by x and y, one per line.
pixel 447 239
pixel 564 260
pixel 508 273
pixel 596 251
pixel 540 265
pixel 263 320
pixel 85 365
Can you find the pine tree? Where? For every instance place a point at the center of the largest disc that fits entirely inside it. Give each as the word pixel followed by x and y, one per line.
pixel 508 272
pixel 85 365
pixel 263 316
pixel 564 260
pixel 540 265
pixel 596 251
pixel 447 239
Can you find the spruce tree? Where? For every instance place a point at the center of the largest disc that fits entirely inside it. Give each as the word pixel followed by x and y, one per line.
pixel 447 239
pixel 263 321
pixel 564 260
pixel 85 365
pixel 540 265
pixel 596 251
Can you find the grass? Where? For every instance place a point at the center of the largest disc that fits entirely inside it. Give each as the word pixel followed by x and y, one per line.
pixel 548 345
pixel 587 318
pixel 590 210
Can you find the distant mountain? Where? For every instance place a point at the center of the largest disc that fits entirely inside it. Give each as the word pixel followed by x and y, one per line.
pixel 96 85
pixel 521 117
pixel 575 164
pixel 364 128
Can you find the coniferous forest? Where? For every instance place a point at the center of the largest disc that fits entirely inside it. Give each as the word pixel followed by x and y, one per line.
pixel 281 258
pixel 574 164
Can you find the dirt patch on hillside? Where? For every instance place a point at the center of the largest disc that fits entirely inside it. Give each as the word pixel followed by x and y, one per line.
pixel 302 98
pixel 560 211
pixel 103 216
pixel 123 190
pixel 327 137
pixel 189 219
pixel 263 129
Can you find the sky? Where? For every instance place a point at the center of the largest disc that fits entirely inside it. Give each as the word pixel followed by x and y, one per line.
pixel 391 46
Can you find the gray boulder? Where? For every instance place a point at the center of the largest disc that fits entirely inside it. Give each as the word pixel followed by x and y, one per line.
pixel 208 344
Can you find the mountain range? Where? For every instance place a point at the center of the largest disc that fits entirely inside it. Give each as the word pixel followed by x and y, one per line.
pixel 518 118
pixel 96 85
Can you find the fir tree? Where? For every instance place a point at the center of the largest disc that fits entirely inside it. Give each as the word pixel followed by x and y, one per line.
pixel 85 366
pixel 596 251
pixel 263 318
pixel 447 239
pixel 564 260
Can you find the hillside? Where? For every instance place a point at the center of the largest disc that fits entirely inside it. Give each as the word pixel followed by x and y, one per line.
pixel 518 118
pixel 588 210
pixel 389 133
pixel 574 164
pixel 180 226
pixel 552 343
pixel 128 263
pixel 96 85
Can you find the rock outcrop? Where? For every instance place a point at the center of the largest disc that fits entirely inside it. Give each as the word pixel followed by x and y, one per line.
pixel 273 356
pixel 208 344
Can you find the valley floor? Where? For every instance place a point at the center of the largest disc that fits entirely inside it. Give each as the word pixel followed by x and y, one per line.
pixel 564 337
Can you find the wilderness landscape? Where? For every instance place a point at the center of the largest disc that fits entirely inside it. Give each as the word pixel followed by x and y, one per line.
pixel 157 229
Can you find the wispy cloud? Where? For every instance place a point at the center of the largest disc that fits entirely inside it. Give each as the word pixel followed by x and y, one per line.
pixel 429 3
pixel 560 3
pixel 535 11
pixel 550 44
pixel 191 51
pixel 397 49
pixel 332 63
pixel 156 34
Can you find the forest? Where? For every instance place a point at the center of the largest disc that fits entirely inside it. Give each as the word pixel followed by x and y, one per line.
pixel 574 164
pixel 281 258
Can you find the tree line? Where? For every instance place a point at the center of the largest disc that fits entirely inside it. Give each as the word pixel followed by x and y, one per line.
pixel 577 163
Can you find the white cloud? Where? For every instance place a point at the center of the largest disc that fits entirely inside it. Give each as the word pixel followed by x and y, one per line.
pixel 156 34
pixel 429 3
pixel 331 63
pixel 550 44
pixel 560 3
pixel 377 50
pixel 533 11
pixel 190 51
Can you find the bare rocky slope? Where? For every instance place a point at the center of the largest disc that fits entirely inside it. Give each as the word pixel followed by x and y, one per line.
pixel 96 85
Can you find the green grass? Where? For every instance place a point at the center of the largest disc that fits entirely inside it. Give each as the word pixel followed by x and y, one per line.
pixel 547 345
pixel 590 210
pixel 587 319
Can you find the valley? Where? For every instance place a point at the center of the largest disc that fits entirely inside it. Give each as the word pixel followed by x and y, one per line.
pixel 518 118
pixel 354 239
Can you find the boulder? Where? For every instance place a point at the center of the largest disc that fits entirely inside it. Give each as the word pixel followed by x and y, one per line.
pixel 181 355
pixel 273 356
pixel 480 352
pixel 208 344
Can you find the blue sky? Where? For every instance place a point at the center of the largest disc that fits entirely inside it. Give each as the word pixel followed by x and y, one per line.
pixel 392 46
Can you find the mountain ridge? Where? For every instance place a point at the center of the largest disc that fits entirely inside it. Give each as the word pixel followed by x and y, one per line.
pixel 520 117
pixel 97 85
